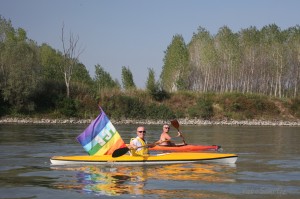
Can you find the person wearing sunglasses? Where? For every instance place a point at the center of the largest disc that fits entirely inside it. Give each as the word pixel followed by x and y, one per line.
pixel 138 146
pixel 165 138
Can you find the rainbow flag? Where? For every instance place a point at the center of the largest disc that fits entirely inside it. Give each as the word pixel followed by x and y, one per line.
pixel 101 137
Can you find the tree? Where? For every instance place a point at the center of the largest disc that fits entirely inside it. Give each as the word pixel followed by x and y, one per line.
pixel 6 29
pixel 22 70
pixel 71 53
pixel 127 79
pixel 151 85
pixel 250 48
pixel 51 61
pixel 174 75
pixel 227 46
pixel 203 61
pixel 103 79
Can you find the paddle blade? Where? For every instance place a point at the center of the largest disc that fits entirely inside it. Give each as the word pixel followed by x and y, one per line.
pixel 119 152
pixel 175 123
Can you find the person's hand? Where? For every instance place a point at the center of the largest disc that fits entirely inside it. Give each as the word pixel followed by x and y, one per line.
pixel 132 146
pixel 179 134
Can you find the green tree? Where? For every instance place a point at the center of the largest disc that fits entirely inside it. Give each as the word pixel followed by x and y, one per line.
pixel 227 46
pixel 250 50
pixel 203 61
pixel 151 84
pixel 81 74
pixel 127 79
pixel 50 60
pixel 5 29
pixel 174 75
pixel 103 79
pixel 22 70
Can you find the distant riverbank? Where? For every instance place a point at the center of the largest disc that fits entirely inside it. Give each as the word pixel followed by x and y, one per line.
pixel 129 121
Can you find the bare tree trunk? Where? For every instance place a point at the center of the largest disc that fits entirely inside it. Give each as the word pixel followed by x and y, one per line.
pixel 71 55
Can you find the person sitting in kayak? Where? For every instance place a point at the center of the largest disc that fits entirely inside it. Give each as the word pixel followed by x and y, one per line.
pixel 138 146
pixel 165 138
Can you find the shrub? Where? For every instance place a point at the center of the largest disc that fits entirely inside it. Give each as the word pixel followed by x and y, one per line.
pixel 203 108
pixel 124 107
pixel 154 111
pixel 67 107
pixel 295 107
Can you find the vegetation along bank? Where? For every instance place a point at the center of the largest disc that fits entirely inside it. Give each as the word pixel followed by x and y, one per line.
pixel 249 76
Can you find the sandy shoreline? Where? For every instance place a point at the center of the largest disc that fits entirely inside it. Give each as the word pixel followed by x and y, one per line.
pixel 127 121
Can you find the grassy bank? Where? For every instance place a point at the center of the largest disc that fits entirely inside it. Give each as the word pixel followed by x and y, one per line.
pixel 141 105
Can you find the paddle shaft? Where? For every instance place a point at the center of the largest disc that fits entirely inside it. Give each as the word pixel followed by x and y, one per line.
pixel 175 123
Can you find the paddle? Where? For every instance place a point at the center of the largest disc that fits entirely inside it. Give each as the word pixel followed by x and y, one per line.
pixel 175 123
pixel 119 152
pixel 122 151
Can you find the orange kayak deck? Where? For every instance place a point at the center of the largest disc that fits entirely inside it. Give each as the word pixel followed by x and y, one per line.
pixel 186 148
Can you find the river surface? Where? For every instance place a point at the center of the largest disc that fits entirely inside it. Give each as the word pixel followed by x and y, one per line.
pixel 268 165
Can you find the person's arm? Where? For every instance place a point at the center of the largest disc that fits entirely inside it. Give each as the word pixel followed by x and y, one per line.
pixel 179 134
pixel 132 145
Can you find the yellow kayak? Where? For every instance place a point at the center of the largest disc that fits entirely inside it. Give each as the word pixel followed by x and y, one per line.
pixel 164 158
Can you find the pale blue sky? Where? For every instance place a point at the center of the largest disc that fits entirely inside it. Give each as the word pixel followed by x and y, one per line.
pixel 135 33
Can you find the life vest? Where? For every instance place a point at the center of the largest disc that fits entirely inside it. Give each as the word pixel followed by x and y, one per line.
pixel 143 150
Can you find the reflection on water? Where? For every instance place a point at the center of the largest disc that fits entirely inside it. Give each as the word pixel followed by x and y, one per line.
pixel 103 180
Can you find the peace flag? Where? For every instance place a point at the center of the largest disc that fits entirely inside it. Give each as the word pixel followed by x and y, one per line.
pixel 100 137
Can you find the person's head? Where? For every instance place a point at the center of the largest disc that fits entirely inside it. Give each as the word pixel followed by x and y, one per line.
pixel 141 132
pixel 166 128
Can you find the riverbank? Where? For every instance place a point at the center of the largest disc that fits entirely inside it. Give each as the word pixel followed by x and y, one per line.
pixel 148 122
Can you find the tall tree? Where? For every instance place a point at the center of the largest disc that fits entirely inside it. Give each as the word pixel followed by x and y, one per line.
pixel 293 41
pixel 127 79
pixel 5 30
pixel 71 53
pixel 174 75
pixel 151 84
pixel 103 79
pixel 202 60
pixel 22 70
pixel 227 46
pixel 250 48
pixel 50 61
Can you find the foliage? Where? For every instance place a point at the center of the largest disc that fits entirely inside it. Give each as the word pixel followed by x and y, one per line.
pixel 67 107
pixel 50 59
pixel 151 85
pixel 4 107
pixel 47 95
pixel 160 94
pixel 203 108
pixel 21 76
pixel 295 107
pixel 103 80
pixel 249 105
pixel 161 111
pixel 244 70
pixel 127 79
pixel 175 70
pixel 122 106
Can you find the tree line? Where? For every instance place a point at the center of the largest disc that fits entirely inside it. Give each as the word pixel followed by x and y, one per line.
pixel 262 61
pixel 39 79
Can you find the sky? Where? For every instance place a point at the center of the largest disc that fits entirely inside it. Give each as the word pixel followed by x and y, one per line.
pixel 136 33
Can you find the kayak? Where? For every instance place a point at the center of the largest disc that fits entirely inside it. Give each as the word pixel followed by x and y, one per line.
pixel 186 148
pixel 163 158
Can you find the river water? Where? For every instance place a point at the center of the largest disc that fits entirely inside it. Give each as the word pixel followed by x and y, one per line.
pixel 268 165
